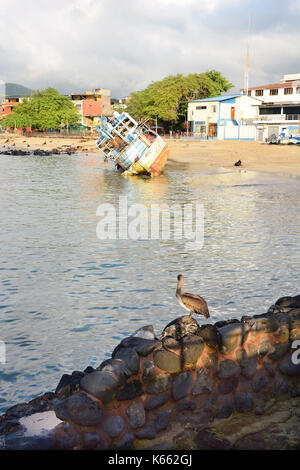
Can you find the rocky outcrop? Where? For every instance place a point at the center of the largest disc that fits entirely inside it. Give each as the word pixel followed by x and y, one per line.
pixel 232 385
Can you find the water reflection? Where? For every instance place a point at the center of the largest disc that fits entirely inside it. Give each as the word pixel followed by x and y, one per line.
pixel 68 298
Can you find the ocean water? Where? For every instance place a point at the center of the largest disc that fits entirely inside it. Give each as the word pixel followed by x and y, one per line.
pixel 68 298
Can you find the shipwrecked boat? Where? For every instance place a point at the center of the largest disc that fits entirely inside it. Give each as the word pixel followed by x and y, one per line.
pixel 132 146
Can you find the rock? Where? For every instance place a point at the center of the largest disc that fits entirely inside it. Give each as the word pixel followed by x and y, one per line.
pixel 232 336
pixel 225 409
pixel 247 361
pixel 149 371
pixel 269 368
pixel 228 369
pixel 295 335
pixel 283 333
pixel 295 319
pixel 182 385
pixel 228 385
pixel 263 347
pixel 131 390
pixel 136 415
pixel 10 426
pixel 206 440
pixel 116 367
pixel 192 347
pixel 125 442
pixel 80 409
pixel 129 356
pixel 203 383
pixel 160 384
pixel 100 384
pixel 170 343
pixel 158 423
pixel 260 382
pixel 90 440
pixel 141 345
pixel 210 360
pixel 243 402
pixel 186 404
pixel 264 325
pixel 156 401
pixel 288 367
pixel 146 332
pixel 89 370
pixel 210 335
pixel 114 425
pixel 260 409
pixel 167 361
pixel 292 302
pixel 220 324
pixel 281 349
pixel 180 327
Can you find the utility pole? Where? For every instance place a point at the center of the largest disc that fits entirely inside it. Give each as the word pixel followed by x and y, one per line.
pixel 156 124
pixel 247 61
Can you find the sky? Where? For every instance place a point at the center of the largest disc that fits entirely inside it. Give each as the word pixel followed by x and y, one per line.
pixel 124 45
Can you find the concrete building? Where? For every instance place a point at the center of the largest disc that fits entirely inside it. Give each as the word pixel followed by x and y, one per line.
pixel 11 94
pixel 280 108
pixel 92 104
pixel 228 117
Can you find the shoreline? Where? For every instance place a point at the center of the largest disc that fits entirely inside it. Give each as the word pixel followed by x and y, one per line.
pixel 255 156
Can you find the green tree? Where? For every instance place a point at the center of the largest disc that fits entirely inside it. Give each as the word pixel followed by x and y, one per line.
pixel 46 109
pixel 167 99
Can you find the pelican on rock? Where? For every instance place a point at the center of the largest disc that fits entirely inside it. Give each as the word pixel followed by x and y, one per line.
pixel 191 302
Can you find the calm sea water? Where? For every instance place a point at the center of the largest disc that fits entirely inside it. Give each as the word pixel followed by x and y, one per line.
pixel 67 298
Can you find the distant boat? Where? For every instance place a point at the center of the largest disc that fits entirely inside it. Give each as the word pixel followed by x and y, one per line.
pixel 133 147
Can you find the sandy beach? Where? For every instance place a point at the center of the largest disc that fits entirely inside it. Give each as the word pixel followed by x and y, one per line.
pixel 255 156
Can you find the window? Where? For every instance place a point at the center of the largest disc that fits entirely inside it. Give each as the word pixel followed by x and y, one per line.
pixel 298 90
pixel 213 109
pixel 200 107
pixel 249 92
pixel 274 91
pixel 288 91
pixel 259 92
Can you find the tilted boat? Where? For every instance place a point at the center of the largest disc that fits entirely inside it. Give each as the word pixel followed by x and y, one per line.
pixel 134 147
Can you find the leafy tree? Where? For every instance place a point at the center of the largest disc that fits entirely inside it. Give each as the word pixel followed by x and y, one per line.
pixel 167 99
pixel 46 109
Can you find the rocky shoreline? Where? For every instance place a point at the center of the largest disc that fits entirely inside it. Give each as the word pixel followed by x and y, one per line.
pixel 231 385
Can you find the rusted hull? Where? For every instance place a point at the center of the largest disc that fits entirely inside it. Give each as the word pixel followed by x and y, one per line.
pixel 152 161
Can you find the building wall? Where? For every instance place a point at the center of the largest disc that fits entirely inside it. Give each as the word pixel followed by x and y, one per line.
pixel 281 97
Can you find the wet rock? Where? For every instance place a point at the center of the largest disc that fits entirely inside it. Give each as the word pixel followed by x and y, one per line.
pixel 210 360
pixel 180 327
pixel 136 415
pixel 149 371
pixel 206 440
pixel 114 425
pixel 89 370
pixel 225 408
pixel 281 349
pixel 232 336
pixel 160 384
pixel 167 361
pixel 220 324
pixel 156 401
pixel 228 369
pixel 182 385
pixel 100 384
pixel 247 362
pixel 260 383
pixel 159 422
pixel 203 383
pixel 210 335
pixel 263 347
pixel 288 367
pixel 141 345
pixel 29 443
pixel 269 368
pixel 10 426
pixel 129 356
pixel 295 335
pixel 228 385
pixel 186 404
pixel 295 319
pixel 243 402
pixel 131 390
pixel 116 367
pixel 80 409
pixel 170 343
pixel 260 409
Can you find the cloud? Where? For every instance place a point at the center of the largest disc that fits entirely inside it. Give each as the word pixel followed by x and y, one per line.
pixel 125 44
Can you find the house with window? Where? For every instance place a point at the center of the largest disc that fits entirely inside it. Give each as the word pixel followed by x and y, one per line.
pixel 227 117
pixel 92 104
pixel 280 108
pixel 11 94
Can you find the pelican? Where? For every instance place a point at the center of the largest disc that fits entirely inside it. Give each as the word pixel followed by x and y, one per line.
pixel 191 302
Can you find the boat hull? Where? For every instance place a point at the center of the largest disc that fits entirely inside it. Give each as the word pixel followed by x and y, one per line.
pixel 152 161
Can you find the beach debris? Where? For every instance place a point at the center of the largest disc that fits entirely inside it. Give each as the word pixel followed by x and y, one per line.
pixel 238 163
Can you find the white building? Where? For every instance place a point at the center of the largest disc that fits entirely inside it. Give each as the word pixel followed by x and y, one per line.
pixel 280 108
pixel 228 117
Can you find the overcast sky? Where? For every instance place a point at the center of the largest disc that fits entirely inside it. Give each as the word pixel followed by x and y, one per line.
pixel 77 45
